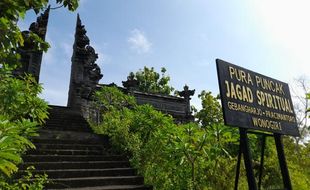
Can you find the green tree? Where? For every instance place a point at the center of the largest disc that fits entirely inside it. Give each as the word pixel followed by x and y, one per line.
pixel 151 81
pixel 21 110
pixel 211 111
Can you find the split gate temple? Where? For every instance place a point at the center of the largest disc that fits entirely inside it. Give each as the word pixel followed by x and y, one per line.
pixel 85 76
pixel 66 149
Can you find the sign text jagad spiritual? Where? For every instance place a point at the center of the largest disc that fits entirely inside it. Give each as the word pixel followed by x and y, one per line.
pixel 251 100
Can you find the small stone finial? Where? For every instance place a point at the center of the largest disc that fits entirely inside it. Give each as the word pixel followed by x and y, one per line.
pixel 186 93
pixel 130 83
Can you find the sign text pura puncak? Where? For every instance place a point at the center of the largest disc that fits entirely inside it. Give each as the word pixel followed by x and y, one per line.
pixel 254 101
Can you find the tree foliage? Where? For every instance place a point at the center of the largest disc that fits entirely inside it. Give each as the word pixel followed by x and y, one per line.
pixel 170 156
pixel 28 181
pixel 21 110
pixel 21 113
pixel 151 81
pixel 211 112
pixel 195 155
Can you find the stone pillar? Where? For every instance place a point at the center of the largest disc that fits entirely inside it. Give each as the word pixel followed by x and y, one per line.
pixel 31 59
pixel 85 73
pixel 130 84
pixel 186 93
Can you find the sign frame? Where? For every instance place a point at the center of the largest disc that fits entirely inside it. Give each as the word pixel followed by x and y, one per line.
pixel 255 101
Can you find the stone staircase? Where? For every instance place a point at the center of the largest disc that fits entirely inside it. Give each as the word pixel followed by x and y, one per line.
pixel 75 158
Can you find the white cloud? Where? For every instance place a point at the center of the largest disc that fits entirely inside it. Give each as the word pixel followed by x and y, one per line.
pixel 55 70
pixel 102 57
pixel 139 42
pixel 49 56
pixel 67 49
pixel 63 50
pixel 55 96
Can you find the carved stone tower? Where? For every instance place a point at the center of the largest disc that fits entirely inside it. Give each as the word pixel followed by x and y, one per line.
pixel 85 73
pixel 31 59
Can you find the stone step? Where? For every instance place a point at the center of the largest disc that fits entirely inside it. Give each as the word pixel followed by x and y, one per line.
pixel 95 181
pixel 90 142
pixel 70 146
pixel 55 108
pixel 71 136
pixel 76 165
pixel 112 187
pixel 61 158
pixel 68 122
pixel 72 126
pixel 78 173
pixel 64 114
pixel 65 152
pixel 68 128
pixel 65 118
pixel 61 118
pixel 75 158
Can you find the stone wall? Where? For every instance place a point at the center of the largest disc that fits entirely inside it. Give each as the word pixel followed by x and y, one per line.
pixel 177 107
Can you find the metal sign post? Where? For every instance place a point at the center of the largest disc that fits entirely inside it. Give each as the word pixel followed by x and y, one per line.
pixel 244 145
pixel 262 155
pixel 281 156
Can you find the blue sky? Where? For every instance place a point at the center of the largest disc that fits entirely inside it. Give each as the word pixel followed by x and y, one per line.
pixel 267 36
